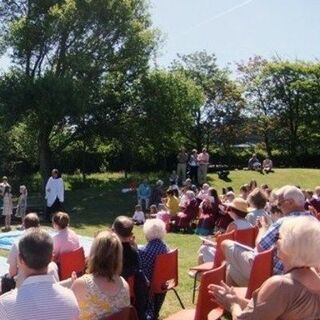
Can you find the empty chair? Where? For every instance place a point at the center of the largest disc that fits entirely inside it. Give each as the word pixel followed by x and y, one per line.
pixel 72 261
pixel 204 303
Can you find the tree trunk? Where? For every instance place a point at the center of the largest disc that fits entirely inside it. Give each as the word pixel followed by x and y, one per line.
pixel 44 155
pixel 268 144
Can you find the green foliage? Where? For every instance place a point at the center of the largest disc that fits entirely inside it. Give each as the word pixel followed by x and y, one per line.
pixel 283 104
pixel 217 120
pixel 65 55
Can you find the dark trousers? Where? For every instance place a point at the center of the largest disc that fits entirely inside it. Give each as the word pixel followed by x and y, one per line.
pixel 194 174
pixel 56 207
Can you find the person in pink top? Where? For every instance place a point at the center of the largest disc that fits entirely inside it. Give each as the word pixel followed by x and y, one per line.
pixel 203 160
pixel 65 240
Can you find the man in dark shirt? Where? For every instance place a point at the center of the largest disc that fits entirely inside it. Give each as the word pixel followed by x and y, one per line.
pixel 123 227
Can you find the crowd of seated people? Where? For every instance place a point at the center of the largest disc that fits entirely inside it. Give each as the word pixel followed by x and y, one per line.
pixel 285 219
pixel 293 294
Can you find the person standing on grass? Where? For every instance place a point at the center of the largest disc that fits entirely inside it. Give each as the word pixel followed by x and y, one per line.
pixel 194 165
pixel 182 159
pixel 54 194
pixel 203 159
pixel 144 193
pixel 7 204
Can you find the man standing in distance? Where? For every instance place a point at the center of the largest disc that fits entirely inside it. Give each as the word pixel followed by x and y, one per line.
pixel 203 159
pixel 182 158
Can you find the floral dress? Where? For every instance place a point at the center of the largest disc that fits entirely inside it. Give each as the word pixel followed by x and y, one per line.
pixel 98 304
pixel 7 205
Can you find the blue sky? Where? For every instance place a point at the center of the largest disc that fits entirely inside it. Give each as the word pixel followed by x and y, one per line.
pixel 236 29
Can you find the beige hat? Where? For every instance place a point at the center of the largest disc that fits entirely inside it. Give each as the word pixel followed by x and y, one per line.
pixel 239 204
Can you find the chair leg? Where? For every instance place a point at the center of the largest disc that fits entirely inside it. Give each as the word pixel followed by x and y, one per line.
pixel 176 293
pixel 194 286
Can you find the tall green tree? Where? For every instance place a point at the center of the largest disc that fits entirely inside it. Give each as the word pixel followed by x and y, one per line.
pixel 63 53
pixel 217 119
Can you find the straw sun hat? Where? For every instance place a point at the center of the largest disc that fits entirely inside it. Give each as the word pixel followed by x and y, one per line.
pixel 240 205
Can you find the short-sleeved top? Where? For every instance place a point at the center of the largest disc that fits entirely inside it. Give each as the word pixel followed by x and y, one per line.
pixel 39 298
pixel 242 224
pixel 289 301
pixel 253 215
pixel 66 240
pixel 99 304
pixel 173 204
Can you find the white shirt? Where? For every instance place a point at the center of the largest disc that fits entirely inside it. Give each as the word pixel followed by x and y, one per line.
pixel 39 298
pixel 54 190
pixel 139 216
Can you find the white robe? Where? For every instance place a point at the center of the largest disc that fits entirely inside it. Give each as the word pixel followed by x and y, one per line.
pixel 54 189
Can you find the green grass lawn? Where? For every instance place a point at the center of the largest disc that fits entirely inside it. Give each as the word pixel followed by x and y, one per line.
pixel 93 205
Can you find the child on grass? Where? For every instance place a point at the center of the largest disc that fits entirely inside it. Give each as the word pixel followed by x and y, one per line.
pixel 138 216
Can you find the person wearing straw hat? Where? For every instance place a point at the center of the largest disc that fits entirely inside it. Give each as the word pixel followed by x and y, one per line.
pixel 237 210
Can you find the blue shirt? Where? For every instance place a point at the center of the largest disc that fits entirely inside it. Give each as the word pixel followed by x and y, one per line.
pixel 271 237
pixel 144 190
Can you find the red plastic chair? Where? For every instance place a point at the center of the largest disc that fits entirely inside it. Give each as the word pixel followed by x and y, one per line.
pixel 204 303
pixel 72 261
pixel 261 271
pixel 246 236
pixel 131 283
pixel 127 313
pixel 165 274
pixel 218 259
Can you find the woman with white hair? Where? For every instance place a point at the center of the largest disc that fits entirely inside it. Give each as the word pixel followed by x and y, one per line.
pixel 293 295
pixel 154 231
pixel 190 211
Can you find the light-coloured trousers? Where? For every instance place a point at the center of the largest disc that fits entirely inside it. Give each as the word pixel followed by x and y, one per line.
pixel 181 171
pixel 202 173
pixel 146 201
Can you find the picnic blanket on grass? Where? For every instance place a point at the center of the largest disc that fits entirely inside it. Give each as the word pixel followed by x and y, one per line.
pixel 8 238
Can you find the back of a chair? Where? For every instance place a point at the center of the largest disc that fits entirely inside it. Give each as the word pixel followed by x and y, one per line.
pixel 127 313
pixel 131 283
pixel 204 303
pixel 246 236
pixel 165 272
pixel 219 256
pixel 72 261
pixel 262 270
